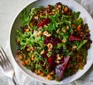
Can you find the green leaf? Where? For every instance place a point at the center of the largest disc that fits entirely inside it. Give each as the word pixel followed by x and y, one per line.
pixel 64 46
pixel 67 22
pixel 66 17
pixel 59 45
pixel 55 18
pixel 22 45
pixel 81 44
pixel 19 33
pixel 33 11
pixel 75 15
pixel 49 54
pixel 42 16
pixel 32 66
pixel 25 16
pixel 78 21
pixel 51 27
pixel 38 66
pixel 71 30
pixel 25 38
pixel 35 27
pixel 37 39
pixel 39 8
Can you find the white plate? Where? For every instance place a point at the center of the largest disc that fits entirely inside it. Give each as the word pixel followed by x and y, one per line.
pixel 75 7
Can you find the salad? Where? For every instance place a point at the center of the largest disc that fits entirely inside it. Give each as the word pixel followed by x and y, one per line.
pixel 53 41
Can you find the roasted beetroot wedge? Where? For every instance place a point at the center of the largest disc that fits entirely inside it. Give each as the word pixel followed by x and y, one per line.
pixel 51 62
pixel 44 22
pixel 60 69
pixel 54 41
pixel 74 38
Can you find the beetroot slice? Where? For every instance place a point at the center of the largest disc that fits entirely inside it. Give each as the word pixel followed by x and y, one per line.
pixel 45 54
pixel 54 41
pixel 60 69
pixel 50 60
pixel 74 38
pixel 44 22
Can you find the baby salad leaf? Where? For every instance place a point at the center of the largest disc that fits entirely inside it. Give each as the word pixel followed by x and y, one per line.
pixel 33 11
pixel 25 39
pixel 59 45
pixel 49 54
pixel 35 27
pixel 75 15
pixel 55 18
pixel 51 27
pixel 25 16
pixel 81 44
pixel 78 21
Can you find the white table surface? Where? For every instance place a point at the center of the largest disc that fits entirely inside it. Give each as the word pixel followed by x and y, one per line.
pixel 8 12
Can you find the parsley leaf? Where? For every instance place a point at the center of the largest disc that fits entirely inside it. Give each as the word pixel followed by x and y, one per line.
pixel 75 15
pixel 25 16
pixel 81 44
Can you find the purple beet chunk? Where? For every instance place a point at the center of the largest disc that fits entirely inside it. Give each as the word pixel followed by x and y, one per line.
pixel 45 54
pixel 50 60
pixel 44 22
pixel 54 41
pixel 60 69
pixel 74 38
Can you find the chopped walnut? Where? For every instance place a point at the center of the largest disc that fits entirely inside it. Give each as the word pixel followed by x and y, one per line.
pixel 49 77
pixel 63 30
pixel 41 74
pixel 27 61
pixel 33 57
pixel 40 33
pixel 58 57
pixel 46 34
pixel 58 31
pixel 45 26
pixel 64 41
pixel 67 27
pixel 32 48
pixel 42 52
pixel 23 63
pixel 27 30
pixel 28 49
pixel 74 47
pixel 65 9
pixel 57 61
pixel 79 27
pixel 50 46
pixel 20 56
pixel 36 17
pixel 37 72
